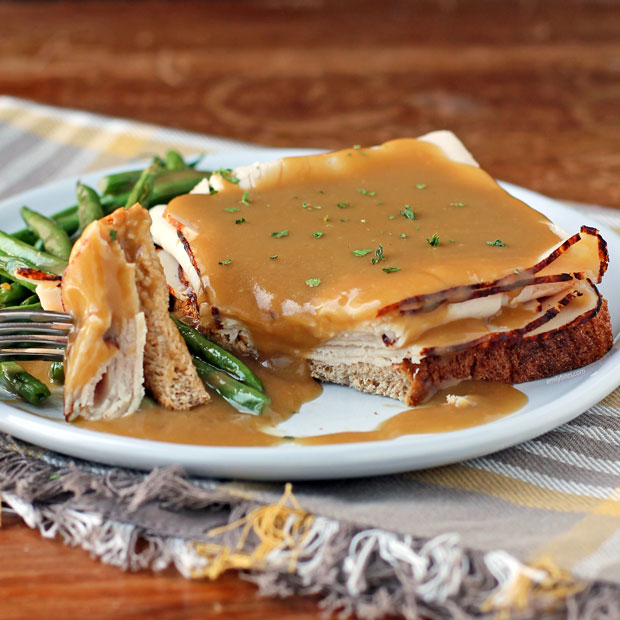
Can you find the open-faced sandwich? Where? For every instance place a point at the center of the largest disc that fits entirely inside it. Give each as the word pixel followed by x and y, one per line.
pixel 397 270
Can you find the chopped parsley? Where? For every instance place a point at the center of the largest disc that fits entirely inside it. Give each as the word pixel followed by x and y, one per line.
pixel 421 185
pixel 113 235
pixel 278 235
pixel 232 209
pixel 318 234
pixel 457 204
pixel 245 200
pixel 497 242
pixel 226 174
pixel 241 220
pixel 357 147
pixel 312 282
pixel 343 205
pixel 434 240
pixel 224 262
pixel 391 217
pixel 273 257
pixel 402 236
pixel 344 219
pixel 391 269
pixel 516 271
pixel 365 192
pixel 408 212
pixel 378 255
pixel 320 191
pixel 361 252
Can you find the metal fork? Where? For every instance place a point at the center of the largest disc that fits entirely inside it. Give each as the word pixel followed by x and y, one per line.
pixel 45 334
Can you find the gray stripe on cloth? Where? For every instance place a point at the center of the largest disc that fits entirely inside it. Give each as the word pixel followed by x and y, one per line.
pixel 568 469
pixel 572 457
pixel 55 161
pixel 573 438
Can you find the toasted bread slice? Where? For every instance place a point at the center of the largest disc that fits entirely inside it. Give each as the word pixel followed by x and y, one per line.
pixel 123 337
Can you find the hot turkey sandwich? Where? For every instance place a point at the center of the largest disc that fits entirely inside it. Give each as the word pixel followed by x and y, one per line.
pixel 396 270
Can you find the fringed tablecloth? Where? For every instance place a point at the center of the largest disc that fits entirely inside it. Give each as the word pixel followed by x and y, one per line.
pixel 535 528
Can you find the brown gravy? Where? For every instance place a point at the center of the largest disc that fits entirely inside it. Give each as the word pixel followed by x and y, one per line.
pixel 219 424
pixel 292 258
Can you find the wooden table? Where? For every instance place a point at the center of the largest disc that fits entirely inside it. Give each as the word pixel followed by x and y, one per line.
pixel 532 88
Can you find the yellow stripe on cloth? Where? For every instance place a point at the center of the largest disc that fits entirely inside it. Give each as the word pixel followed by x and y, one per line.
pixel 519 492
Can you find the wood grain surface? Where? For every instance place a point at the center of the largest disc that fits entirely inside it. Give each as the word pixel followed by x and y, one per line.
pixel 533 88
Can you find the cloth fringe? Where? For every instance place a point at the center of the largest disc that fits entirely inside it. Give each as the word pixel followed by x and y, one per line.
pixel 367 573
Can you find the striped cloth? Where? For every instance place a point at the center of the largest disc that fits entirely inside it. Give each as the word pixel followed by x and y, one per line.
pixel 557 496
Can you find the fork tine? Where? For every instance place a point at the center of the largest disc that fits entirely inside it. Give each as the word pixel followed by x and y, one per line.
pixel 43 316
pixel 60 329
pixel 32 353
pixel 42 339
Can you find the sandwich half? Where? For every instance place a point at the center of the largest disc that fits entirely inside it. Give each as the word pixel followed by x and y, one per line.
pixel 398 270
pixel 123 339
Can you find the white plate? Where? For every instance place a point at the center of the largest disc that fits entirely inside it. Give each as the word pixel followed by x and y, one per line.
pixel 551 402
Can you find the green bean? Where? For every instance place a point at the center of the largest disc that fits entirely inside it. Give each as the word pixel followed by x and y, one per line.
pixel 55 240
pixel 89 205
pixel 174 161
pixel 57 372
pixel 10 264
pixel 40 260
pixel 33 306
pixel 143 188
pixel 26 235
pixel 202 347
pixel 241 396
pixel 23 384
pixel 29 301
pixel 119 182
pixel 12 294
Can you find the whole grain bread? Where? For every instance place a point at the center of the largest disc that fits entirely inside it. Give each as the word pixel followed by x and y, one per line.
pixel 168 369
pixel 506 361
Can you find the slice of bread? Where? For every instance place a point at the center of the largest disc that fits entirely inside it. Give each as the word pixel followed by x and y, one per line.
pixel 514 360
pixel 125 322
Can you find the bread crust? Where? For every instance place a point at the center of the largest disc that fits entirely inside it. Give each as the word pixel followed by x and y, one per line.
pixel 514 361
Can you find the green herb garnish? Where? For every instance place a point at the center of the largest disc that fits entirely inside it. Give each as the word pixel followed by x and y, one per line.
pixel 240 221
pixel 312 282
pixel 245 200
pixel 273 257
pixel 420 185
pixel 278 235
pixel 434 240
pixel 365 192
pixel 402 236
pixel 343 205
pixel 378 255
pixel 224 262
pixel 232 209
pixel 318 234
pixel 391 269
pixel 408 212
pixel 361 252
pixel 226 174
pixel 113 235
pixel 457 204
pixel 497 242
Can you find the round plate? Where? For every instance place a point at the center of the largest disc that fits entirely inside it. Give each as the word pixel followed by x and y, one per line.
pixel 551 401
